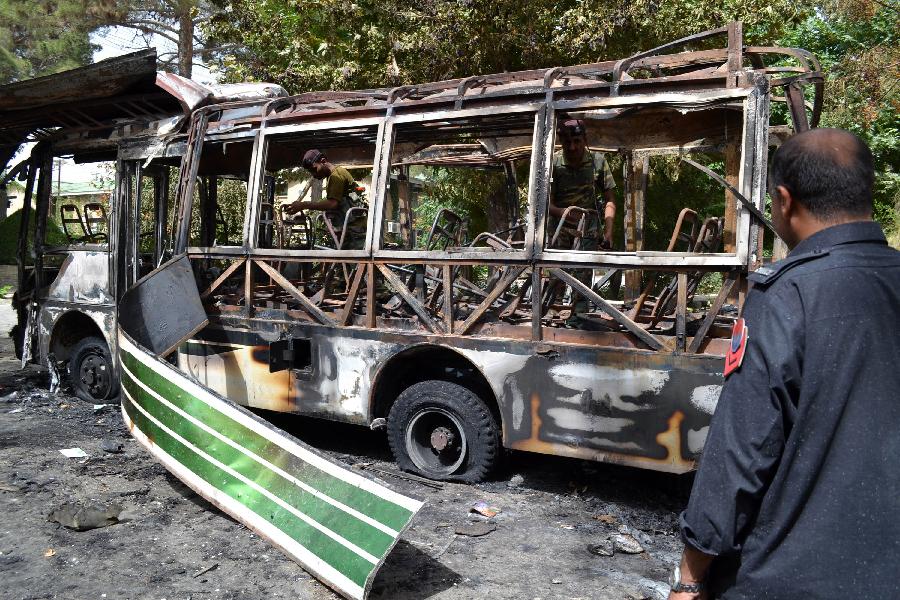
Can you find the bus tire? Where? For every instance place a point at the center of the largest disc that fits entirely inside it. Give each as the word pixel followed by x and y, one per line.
pixel 91 370
pixel 443 431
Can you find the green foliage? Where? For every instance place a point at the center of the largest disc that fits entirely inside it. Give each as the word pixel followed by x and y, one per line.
pixel 333 44
pixel 43 37
pixel 9 237
pixel 857 44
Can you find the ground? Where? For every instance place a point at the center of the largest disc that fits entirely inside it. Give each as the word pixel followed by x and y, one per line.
pixel 172 544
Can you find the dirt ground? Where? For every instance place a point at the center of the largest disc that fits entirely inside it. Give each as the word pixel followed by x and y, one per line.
pixel 171 544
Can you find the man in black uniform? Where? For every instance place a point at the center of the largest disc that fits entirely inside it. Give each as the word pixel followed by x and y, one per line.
pixel 798 491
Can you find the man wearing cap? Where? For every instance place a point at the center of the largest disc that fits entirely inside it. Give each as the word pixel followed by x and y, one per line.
pixel 581 178
pixel 341 194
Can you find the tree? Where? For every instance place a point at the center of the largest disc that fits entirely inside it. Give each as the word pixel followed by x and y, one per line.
pixel 857 42
pixel 43 37
pixel 172 20
pixel 332 44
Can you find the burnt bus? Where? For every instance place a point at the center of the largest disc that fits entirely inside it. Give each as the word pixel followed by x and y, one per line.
pixel 124 118
pixel 454 326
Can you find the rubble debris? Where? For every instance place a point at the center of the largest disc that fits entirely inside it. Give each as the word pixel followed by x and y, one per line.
pixel 206 570
pixel 515 481
pixel 626 544
pixel 111 446
pixel 49 552
pixel 602 548
pixel 407 476
pixel 475 529
pixel 483 508
pixel 555 581
pixel 83 518
pixel 73 453
pixel 608 519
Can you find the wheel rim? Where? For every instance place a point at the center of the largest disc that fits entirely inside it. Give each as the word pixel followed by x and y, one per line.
pixel 94 375
pixel 436 441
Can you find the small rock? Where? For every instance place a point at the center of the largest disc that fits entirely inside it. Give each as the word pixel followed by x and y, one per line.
pixel 556 581
pixel 111 446
pixel 515 481
pixel 83 518
pixel 626 544
pixel 603 548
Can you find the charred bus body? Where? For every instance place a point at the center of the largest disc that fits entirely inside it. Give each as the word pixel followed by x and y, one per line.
pixel 125 116
pixel 457 338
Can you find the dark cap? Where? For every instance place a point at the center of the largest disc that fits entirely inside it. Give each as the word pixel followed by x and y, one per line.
pixel 311 157
pixel 572 127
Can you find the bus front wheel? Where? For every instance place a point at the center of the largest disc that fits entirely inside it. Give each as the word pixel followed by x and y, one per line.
pixel 443 431
pixel 91 370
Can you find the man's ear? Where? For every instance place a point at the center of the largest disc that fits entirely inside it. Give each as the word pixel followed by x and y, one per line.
pixel 786 202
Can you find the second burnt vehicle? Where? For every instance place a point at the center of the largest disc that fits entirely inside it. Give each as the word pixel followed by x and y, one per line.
pixel 454 335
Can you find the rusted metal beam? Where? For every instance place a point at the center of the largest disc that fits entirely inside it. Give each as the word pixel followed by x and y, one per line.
pixel 413 302
pixel 448 297
pixel 221 278
pixel 618 316
pixel 495 293
pixel 797 104
pixel 307 304
pixel 713 312
pixel 352 294
pixel 681 313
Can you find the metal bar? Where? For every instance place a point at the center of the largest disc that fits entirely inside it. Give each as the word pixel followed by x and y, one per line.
pixel 495 293
pixel 608 308
pixel 448 297
pixel 420 310
pixel 370 296
pixel 248 287
pixel 797 104
pixel 735 52
pixel 351 296
pixel 307 304
pixel 221 278
pixel 681 313
pixel 743 200
pixel 536 332
pixel 713 312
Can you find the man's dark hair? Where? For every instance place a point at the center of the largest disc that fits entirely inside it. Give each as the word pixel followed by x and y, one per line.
pixel 311 157
pixel 828 171
pixel 571 127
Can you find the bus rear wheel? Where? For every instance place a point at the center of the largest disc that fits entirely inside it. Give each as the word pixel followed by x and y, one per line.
pixel 443 431
pixel 91 370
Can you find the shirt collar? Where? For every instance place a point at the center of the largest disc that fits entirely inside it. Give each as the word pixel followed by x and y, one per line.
pixel 846 233
pixel 586 159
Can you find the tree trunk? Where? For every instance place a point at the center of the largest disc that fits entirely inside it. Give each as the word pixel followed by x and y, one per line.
pixel 185 39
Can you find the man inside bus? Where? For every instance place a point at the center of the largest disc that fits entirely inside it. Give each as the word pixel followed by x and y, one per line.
pixel 581 178
pixel 341 194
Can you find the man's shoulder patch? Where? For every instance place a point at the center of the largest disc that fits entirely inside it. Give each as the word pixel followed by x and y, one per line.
pixel 767 274
pixel 739 337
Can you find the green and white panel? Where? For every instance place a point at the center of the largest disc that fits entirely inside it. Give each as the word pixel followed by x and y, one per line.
pixel 339 525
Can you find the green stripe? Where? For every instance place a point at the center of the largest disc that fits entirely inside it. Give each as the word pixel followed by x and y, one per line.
pixel 351 528
pixel 384 511
pixel 353 566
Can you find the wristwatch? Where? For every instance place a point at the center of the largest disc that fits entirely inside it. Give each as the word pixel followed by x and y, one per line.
pixel 677 585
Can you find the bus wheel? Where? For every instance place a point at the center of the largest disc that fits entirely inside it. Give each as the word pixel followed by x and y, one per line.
pixel 442 430
pixel 91 370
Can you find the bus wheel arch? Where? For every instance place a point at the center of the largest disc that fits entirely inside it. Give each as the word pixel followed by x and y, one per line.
pixel 79 342
pixel 443 420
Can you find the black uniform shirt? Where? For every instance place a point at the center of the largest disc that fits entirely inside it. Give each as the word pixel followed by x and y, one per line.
pixel 798 490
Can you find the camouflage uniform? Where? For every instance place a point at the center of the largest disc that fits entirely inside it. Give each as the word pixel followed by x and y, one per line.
pixel 583 186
